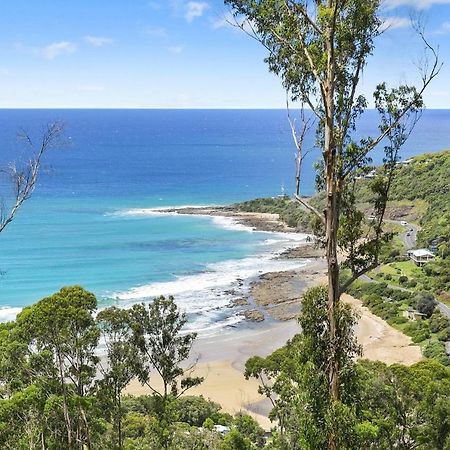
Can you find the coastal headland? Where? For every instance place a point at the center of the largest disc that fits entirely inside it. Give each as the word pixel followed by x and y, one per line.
pixel 270 308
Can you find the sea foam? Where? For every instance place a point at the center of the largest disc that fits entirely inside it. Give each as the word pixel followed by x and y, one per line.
pixel 205 296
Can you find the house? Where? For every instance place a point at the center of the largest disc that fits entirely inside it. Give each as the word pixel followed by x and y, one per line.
pixel 371 174
pixel 420 256
pixel 412 314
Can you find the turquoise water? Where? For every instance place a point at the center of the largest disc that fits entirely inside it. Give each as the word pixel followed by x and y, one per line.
pixel 92 220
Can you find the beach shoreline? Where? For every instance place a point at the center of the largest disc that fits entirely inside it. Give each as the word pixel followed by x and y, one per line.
pixel 274 300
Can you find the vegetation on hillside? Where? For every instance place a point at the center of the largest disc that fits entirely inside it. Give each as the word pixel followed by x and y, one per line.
pixel 424 178
pixel 383 407
pixel 289 211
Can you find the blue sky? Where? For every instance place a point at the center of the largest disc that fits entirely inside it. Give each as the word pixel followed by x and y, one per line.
pixel 175 54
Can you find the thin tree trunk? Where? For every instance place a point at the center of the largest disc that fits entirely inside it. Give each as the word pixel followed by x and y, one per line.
pixel 331 219
pixel 65 409
pixel 119 424
pixel 86 426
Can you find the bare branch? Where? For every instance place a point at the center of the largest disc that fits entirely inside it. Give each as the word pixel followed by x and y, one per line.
pixel 427 77
pixel 311 208
pixel 298 141
pixel 24 180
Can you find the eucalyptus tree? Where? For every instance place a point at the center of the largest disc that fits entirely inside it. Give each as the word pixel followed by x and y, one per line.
pixel 320 48
pixel 63 328
pixel 294 378
pixel 121 365
pixel 163 347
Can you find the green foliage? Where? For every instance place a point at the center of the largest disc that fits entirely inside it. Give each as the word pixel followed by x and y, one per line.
pixel 156 334
pixel 56 394
pixel 195 410
pixel 409 406
pixel 425 303
pixel 248 427
pixel 298 382
pixel 389 304
pixel 115 326
pixel 234 440
pixel 289 211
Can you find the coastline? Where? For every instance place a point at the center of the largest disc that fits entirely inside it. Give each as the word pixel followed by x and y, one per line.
pixel 274 301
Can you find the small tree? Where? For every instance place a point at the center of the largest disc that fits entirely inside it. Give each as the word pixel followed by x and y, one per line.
pixel 426 303
pixel 114 324
pixel 163 347
pixel 63 327
pixel 295 378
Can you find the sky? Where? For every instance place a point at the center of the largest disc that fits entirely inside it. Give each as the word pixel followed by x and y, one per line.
pixel 177 54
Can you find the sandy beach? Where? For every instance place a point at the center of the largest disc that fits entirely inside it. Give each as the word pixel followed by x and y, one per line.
pixel 274 300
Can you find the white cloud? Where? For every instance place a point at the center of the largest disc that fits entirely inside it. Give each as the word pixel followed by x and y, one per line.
pixel 394 22
pixel 195 9
pixel 98 41
pixel 56 49
pixel 176 49
pixel 417 4
pixel 156 31
pixel 444 28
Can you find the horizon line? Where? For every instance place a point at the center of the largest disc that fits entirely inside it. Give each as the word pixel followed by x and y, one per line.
pixel 210 108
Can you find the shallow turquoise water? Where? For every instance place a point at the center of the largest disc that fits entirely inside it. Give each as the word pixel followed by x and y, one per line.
pixel 83 225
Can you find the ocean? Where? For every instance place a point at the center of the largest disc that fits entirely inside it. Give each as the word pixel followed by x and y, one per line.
pixel 92 218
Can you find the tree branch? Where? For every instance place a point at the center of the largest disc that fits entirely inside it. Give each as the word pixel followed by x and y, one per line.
pixel 310 208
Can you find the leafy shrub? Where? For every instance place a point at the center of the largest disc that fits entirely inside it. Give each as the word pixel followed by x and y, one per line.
pixel 402 279
pixel 438 322
pixel 420 336
pixel 398 320
pixel 194 410
pixel 425 303
pixel 248 427
pixel 436 350
pixel 388 276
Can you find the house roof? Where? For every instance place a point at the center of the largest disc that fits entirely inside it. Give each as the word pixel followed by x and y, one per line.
pixel 420 252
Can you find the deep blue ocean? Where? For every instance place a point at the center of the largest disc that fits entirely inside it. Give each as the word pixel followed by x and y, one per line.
pixel 91 220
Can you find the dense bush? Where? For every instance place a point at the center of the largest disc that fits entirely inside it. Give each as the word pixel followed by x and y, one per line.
pixel 425 303
pixel 195 410
pixel 436 350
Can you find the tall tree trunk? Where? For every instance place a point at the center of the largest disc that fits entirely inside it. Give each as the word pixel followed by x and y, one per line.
pixel 65 408
pixel 332 215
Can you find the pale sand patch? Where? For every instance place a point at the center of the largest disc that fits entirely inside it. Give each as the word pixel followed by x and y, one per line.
pixel 221 360
pixel 379 340
pixel 224 385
